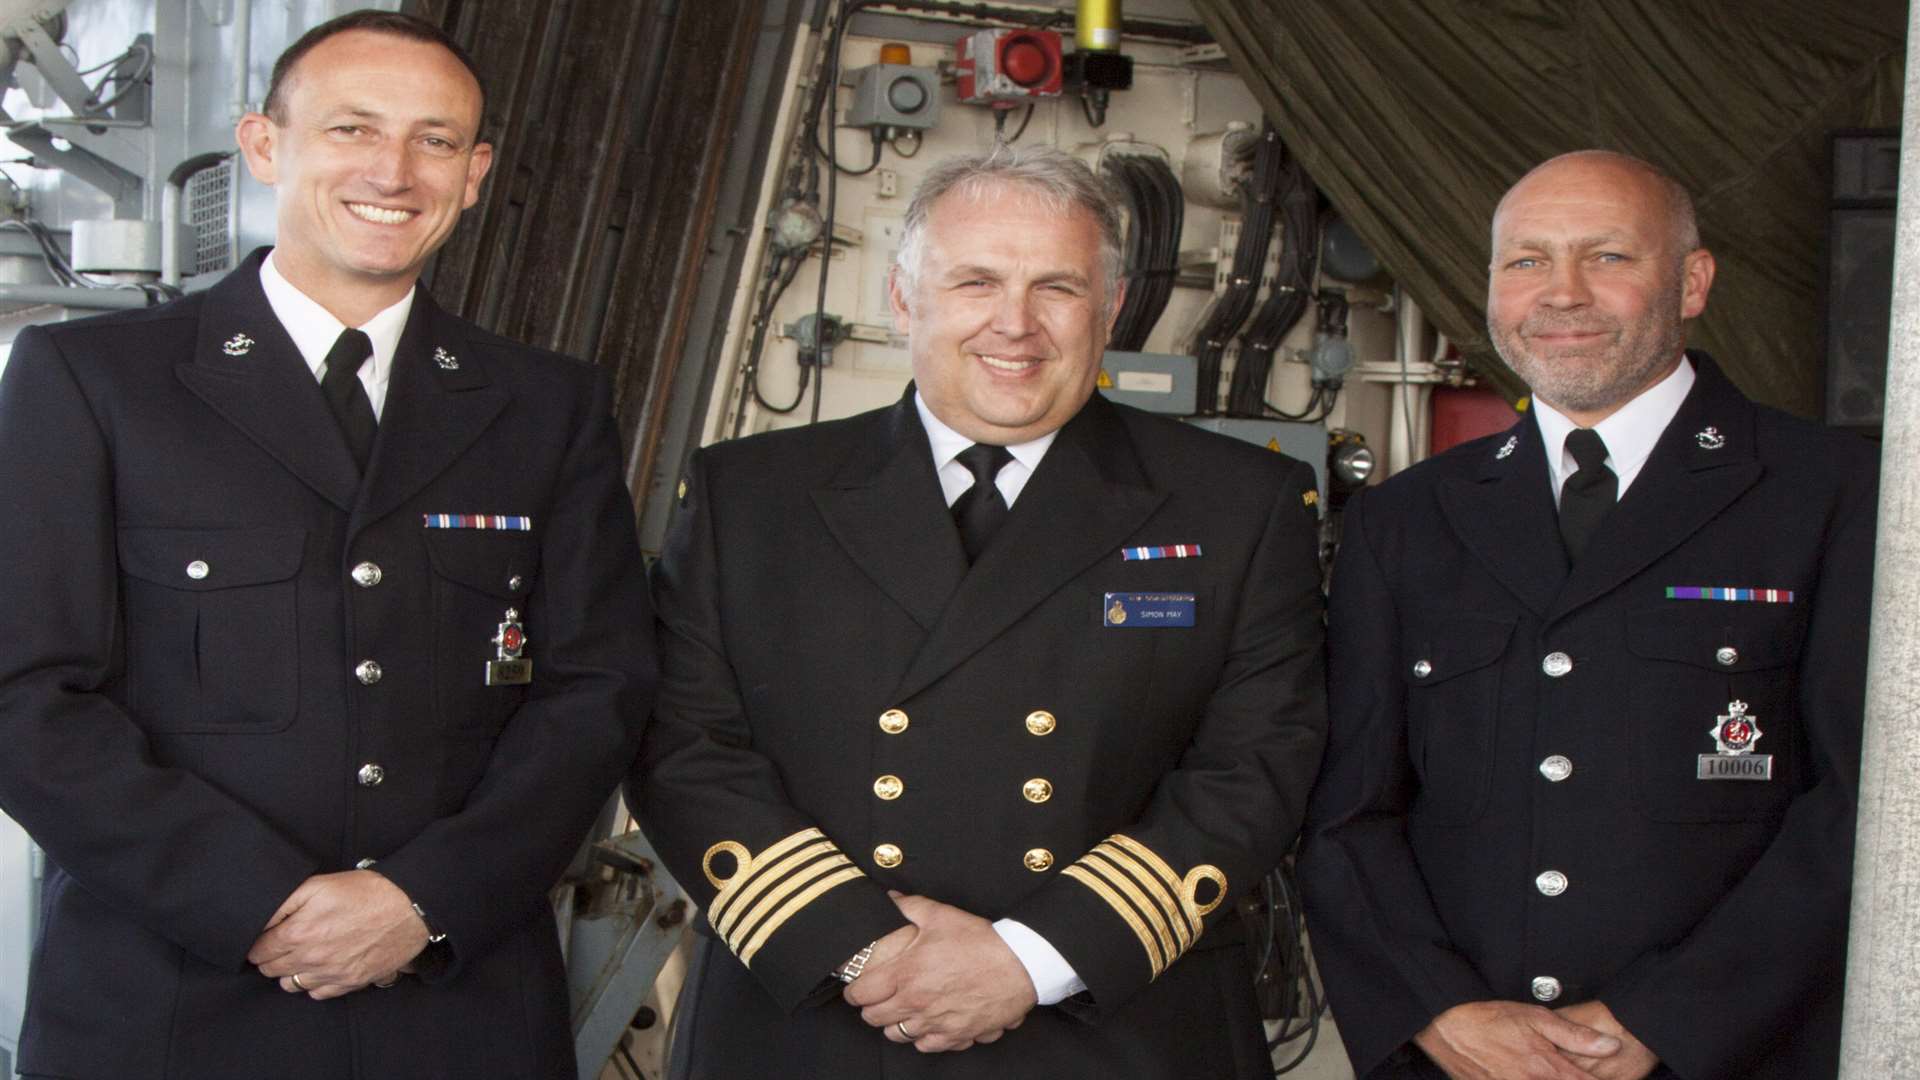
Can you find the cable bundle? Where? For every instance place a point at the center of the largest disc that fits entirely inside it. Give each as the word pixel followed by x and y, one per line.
pixel 1223 318
pixel 1299 248
pixel 1156 210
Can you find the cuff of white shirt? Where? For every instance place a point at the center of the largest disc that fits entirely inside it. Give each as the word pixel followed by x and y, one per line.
pixel 1053 978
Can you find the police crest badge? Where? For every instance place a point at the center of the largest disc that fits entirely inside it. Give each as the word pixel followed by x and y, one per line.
pixel 509 668
pixel 1734 734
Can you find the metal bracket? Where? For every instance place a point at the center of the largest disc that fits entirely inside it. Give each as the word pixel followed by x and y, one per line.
pixel 630 922
pixel 124 186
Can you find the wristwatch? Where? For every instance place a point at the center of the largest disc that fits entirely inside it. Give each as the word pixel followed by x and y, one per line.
pixel 435 937
pixel 851 970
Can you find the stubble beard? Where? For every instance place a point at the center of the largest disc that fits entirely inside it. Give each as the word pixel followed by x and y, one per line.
pixel 1598 380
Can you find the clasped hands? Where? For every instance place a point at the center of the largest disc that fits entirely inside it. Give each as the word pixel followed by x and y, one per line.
pixel 1509 1040
pixel 339 933
pixel 945 982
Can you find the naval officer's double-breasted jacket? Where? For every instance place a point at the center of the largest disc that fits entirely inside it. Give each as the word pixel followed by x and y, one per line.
pixel 1632 780
pixel 847 707
pixel 233 663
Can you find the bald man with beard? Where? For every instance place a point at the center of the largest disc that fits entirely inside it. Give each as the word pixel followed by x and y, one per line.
pixel 1596 688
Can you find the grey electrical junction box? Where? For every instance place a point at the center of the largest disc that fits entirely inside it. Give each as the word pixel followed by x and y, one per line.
pixel 894 95
pixel 1156 382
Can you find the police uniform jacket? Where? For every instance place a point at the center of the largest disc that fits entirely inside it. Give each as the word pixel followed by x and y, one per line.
pixel 232 663
pixel 847 707
pixel 1511 806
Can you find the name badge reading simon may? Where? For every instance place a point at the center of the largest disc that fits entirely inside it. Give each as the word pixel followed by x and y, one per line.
pixel 1148 611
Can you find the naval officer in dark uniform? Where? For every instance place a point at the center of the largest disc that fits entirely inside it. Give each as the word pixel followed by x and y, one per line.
pixel 1588 803
pixel 327 633
pixel 1046 668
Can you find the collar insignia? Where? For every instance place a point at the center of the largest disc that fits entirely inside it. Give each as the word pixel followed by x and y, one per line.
pixel 237 345
pixel 1710 439
pixel 1506 448
pixel 446 360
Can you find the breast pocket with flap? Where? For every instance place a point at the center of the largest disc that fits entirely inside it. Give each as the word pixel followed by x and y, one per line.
pixel 1452 672
pixel 212 627
pixel 479 575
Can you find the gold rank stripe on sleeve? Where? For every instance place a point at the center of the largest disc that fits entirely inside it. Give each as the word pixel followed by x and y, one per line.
pixel 1124 910
pixel 1127 850
pixel 1149 895
pixel 766 890
pixel 1160 906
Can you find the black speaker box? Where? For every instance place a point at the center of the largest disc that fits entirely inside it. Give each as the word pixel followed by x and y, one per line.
pixel 1859 284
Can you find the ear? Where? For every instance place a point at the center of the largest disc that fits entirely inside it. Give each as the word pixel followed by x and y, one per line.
pixel 1114 305
pixel 1696 280
pixel 257 137
pixel 477 165
pixel 897 300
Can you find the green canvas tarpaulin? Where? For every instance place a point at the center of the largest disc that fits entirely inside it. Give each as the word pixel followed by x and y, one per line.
pixel 1415 115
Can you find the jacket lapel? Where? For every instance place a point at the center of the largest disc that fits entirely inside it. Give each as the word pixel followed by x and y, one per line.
pixel 886 509
pixel 439 401
pixel 1089 494
pixel 1505 516
pixel 247 369
pixel 1692 475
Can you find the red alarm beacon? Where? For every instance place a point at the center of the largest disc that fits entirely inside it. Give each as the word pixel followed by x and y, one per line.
pixel 1008 65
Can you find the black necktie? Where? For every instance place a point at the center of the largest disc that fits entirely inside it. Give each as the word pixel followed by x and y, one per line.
pixel 979 510
pixel 345 394
pixel 1588 494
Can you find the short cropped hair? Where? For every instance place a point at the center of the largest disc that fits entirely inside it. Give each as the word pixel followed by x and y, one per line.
pixel 1058 179
pixel 411 27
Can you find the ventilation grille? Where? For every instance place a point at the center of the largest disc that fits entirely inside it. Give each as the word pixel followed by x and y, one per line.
pixel 209 199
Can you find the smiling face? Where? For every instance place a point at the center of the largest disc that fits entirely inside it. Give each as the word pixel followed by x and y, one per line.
pixel 373 160
pixel 1591 283
pixel 1007 317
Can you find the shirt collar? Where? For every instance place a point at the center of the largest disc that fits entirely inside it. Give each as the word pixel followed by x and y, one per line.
pixel 314 329
pixel 1630 432
pixel 947 443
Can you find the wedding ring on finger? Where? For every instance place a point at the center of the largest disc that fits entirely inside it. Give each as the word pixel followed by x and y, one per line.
pixel 901 1026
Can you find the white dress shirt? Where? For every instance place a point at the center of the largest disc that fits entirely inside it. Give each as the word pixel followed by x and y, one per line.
pixel 314 330
pixel 1053 978
pixel 1629 433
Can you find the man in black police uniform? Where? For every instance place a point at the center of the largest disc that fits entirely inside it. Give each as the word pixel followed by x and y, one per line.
pixel 1069 734
pixel 1588 802
pixel 315 676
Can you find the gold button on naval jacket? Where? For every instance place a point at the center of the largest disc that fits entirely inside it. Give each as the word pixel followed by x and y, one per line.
pixel 1037 859
pixel 1422 669
pixel 367 672
pixel 1551 883
pixel 366 574
pixel 1040 722
pixel 371 774
pixel 888 856
pixel 1038 789
pixel 197 569
pixel 889 787
pixel 1556 664
pixel 1546 988
pixel 893 721
pixel 1556 768
pixel 1727 655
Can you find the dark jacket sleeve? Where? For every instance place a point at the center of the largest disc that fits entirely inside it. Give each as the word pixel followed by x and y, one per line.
pixel 480 872
pixel 1125 911
pixel 776 889
pixel 159 843
pixel 1386 957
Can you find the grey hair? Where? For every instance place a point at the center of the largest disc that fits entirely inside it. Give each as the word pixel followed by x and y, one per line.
pixel 1060 180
